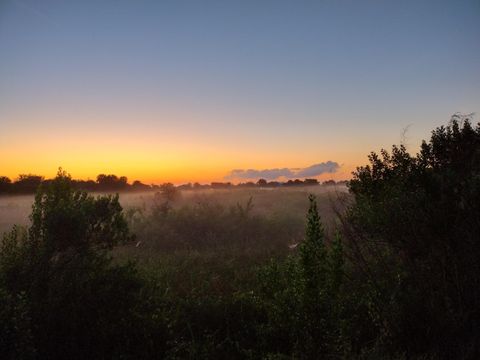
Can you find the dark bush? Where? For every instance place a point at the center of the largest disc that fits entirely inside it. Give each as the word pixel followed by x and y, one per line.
pixel 62 295
pixel 414 232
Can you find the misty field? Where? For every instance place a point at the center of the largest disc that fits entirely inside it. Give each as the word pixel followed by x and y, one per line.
pixel 386 267
pixel 15 209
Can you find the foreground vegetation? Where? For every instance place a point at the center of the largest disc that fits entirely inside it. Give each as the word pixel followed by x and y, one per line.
pixel 397 277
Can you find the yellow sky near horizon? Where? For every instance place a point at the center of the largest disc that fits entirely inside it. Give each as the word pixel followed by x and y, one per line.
pixel 168 167
pixel 86 148
pixel 148 161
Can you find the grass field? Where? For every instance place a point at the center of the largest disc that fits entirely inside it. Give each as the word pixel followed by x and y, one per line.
pixel 15 209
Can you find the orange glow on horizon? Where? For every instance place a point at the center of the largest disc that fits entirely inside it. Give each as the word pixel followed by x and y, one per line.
pixel 153 158
pixel 150 166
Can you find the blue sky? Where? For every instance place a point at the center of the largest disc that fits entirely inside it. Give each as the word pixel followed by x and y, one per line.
pixel 264 84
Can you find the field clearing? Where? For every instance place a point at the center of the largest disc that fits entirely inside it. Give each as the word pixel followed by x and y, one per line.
pixel 292 202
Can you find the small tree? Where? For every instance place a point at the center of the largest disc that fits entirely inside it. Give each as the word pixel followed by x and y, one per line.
pixel 302 294
pixel 312 252
pixel 5 184
pixel 169 192
pixel 262 182
pixel 63 218
pixel 413 233
pixel 75 303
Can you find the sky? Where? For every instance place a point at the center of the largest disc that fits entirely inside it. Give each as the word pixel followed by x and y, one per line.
pixel 228 90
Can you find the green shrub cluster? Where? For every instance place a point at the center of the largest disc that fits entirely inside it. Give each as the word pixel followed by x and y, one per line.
pixel 302 297
pixel 61 295
pixel 414 232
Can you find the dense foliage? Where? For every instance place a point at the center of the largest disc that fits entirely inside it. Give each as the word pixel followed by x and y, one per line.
pixel 398 278
pixel 301 297
pixel 415 231
pixel 61 295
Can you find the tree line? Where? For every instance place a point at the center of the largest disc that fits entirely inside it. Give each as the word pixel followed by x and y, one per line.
pixel 29 183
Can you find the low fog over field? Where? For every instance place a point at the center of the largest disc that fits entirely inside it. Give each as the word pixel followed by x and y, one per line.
pixel 15 209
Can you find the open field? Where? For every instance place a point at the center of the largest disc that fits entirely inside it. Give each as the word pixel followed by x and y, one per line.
pixel 15 209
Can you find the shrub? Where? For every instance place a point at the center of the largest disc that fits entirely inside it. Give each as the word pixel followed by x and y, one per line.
pixel 413 233
pixel 302 297
pixel 64 297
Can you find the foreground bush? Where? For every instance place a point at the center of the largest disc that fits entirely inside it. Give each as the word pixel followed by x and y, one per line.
pixel 61 295
pixel 414 234
pixel 302 297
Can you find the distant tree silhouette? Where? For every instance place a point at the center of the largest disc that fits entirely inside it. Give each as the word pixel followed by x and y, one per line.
pixel 310 182
pixel 329 182
pixel 85 185
pixel 220 185
pixel 5 184
pixel 187 186
pixel 295 182
pixel 111 182
pixel 262 182
pixel 197 185
pixel 27 183
pixel 139 186
pixel 248 184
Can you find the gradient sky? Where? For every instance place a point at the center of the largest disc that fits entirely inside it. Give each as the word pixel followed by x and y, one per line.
pixel 190 90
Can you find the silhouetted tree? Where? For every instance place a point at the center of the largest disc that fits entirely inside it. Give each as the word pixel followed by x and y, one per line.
pixel 139 186
pixel 329 182
pixel 111 182
pixel 187 186
pixel 5 184
pixel 85 185
pixel 273 184
pixel 310 182
pixel 414 232
pixel 220 185
pixel 27 183
pixel 262 182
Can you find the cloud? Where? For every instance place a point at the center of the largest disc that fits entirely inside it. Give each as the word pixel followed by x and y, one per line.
pixel 268 174
pixel 273 174
pixel 318 169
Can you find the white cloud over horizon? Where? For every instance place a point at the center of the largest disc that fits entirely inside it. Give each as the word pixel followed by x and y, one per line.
pixel 289 173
